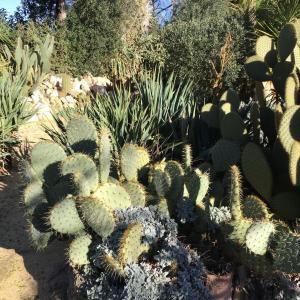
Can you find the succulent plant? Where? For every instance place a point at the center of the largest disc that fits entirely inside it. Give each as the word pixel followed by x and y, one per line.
pixel 72 193
pixel 260 241
pixel 143 259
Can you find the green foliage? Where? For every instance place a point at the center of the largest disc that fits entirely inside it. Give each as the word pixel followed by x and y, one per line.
pixel 145 113
pixel 102 23
pixel 24 71
pixel 272 15
pixel 211 45
pixel 65 194
pixel 260 238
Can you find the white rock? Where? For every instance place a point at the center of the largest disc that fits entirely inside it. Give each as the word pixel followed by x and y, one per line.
pixel 101 81
pixel 70 100
pixel 84 86
pixel 36 96
pixel 55 80
pixel 77 85
pixel 34 118
pixel 54 93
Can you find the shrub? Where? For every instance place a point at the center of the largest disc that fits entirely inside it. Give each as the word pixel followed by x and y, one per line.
pixel 97 32
pixel 204 41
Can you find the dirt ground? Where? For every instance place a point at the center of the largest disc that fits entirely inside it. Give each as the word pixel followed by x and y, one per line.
pixel 24 273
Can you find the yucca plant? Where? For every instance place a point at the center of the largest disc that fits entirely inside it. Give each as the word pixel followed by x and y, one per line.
pixel 25 71
pixel 272 15
pixel 145 111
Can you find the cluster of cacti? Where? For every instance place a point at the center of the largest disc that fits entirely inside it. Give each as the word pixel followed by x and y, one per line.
pixel 73 194
pixel 143 259
pixel 278 61
pixel 269 153
pixel 262 242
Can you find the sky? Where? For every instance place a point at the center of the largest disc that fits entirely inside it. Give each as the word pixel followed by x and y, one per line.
pixel 9 5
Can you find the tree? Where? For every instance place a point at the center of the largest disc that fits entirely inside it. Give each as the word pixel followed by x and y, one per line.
pixel 205 42
pixel 42 10
pixel 99 29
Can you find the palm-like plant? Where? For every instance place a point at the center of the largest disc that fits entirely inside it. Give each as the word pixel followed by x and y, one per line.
pixel 272 15
pixel 145 112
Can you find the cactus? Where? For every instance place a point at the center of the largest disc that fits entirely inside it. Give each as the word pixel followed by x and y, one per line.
pixel 231 97
pixel 210 114
pixel 64 217
pixel 44 161
pixel 224 154
pixel 254 208
pixel 133 159
pixel 262 243
pixel 257 170
pixel 81 164
pixel 278 65
pixel 82 135
pixel 68 194
pixel 78 250
pixel 288 131
pixel 232 127
pixel 286 205
pixel 258 236
pixel 130 244
pixel 294 164
pixel 104 155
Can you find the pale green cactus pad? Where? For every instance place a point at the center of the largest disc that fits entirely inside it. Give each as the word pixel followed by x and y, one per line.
pixel 82 135
pixel 258 237
pixel 137 193
pixel 64 217
pixel 197 185
pixel 289 128
pixel 113 195
pixel 133 159
pixel 45 157
pixel 33 195
pixel 104 155
pixel 131 246
pixel 81 164
pixel 294 164
pixel 98 215
pixel 79 249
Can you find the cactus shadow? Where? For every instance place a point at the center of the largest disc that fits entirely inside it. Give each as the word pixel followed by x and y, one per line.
pixel 43 275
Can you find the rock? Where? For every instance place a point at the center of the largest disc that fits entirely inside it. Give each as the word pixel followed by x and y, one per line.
pixel 70 100
pixel 36 96
pixel 101 81
pixel 98 89
pixel 84 86
pixel 56 81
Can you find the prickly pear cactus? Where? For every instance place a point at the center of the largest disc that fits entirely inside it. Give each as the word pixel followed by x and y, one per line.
pixel 71 193
pixel 262 243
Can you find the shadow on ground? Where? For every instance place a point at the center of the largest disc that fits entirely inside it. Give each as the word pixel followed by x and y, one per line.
pixel 24 273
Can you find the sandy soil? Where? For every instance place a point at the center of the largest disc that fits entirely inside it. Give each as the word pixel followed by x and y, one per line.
pixel 24 273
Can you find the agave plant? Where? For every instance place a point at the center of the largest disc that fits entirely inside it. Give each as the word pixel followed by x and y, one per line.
pixel 146 113
pixel 272 15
